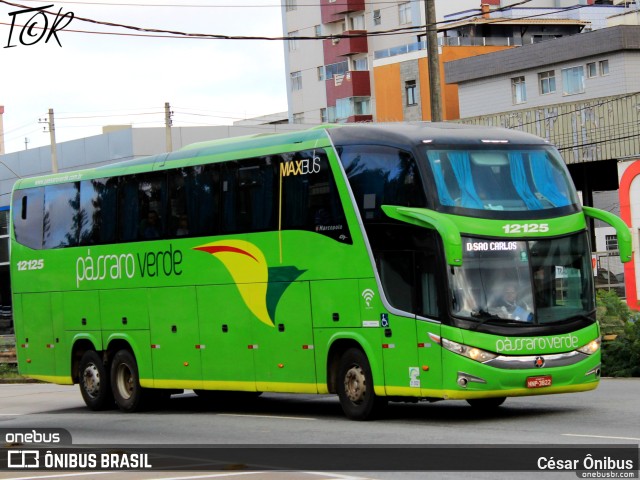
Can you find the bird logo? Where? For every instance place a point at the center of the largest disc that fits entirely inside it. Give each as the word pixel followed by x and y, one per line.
pixel 259 285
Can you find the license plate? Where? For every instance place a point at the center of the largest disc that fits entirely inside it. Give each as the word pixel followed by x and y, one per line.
pixel 538 382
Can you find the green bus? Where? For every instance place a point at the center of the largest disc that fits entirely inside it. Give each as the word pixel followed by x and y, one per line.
pixel 380 263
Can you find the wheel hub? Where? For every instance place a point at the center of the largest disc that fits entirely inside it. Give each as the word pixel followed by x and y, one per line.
pixel 355 385
pixel 125 381
pixel 91 380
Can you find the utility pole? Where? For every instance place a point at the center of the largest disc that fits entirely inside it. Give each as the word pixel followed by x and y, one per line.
pixel 167 126
pixel 1 131
pixel 435 90
pixel 52 137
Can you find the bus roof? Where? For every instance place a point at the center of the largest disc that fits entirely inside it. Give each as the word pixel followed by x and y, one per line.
pixel 400 134
pixel 443 133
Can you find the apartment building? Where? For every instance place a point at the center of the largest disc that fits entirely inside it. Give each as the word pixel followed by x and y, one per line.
pixel 364 60
pixel 330 79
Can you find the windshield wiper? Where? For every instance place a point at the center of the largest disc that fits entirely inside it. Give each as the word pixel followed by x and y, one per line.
pixel 484 317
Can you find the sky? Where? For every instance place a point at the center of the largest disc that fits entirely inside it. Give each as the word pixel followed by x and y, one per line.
pixel 91 80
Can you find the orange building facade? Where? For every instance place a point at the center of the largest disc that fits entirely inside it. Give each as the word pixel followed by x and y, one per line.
pixel 393 84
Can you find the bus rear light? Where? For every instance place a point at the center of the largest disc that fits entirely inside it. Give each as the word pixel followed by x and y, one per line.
pixel 473 353
pixel 435 338
pixel 590 348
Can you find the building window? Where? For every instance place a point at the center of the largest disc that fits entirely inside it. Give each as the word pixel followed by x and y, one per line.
pixel 547 82
pixel 357 22
pixel 324 118
pixel 518 90
pixel 291 5
pixel 348 107
pixel 361 63
pixel 321 74
pixel 293 41
pixel 572 80
pixel 377 17
pixel 592 70
pixel 298 118
pixel 611 242
pixel 404 12
pixel 318 30
pixel 296 81
pixel 604 67
pixel 410 91
pixel 336 69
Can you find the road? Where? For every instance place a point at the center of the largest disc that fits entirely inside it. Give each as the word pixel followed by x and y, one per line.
pixel 606 416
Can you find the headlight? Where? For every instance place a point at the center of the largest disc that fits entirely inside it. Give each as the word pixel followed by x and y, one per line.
pixel 466 351
pixel 590 348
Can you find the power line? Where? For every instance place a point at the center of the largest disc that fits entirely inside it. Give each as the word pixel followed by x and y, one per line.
pixel 178 34
pixel 110 4
pixel 107 116
pixel 579 109
pixel 609 140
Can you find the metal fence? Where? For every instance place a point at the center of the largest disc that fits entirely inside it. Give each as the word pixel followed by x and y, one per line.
pixel 7 349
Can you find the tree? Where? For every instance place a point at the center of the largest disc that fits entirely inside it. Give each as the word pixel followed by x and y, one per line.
pixel 621 356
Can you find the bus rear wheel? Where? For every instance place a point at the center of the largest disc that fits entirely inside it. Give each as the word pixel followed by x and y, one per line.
pixel 355 387
pixel 125 382
pixel 94 382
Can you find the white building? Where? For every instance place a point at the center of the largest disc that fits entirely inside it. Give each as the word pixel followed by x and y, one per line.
pixel 331 79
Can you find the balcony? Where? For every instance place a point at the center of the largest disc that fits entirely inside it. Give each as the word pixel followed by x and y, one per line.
pixel 334 10
pixel 351 84
pixel 351 110
pixel 342 47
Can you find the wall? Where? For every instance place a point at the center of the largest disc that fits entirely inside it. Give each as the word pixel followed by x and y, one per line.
pixel 584 131
pixel 629 175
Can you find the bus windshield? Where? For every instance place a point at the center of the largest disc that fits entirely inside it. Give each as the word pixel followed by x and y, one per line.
pixel 529 178
pixel 520 283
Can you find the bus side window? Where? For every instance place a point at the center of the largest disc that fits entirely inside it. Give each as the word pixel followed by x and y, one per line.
pixel 128 209
pixel 98 211
pixel 310 199
pixel 194 201
pixel 152 196
pixel 382 175
pixel 249 195
pixel 61 207
pixel 28 216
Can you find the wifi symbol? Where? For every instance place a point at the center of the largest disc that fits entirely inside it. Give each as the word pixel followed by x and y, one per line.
pixel 368 295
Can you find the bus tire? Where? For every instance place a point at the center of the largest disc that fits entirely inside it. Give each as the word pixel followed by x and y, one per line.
pixel 94 382
pixel 355 387
pixel 486 403
pixel 125 382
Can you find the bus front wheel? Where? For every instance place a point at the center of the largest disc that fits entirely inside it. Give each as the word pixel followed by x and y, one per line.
pixel 94 383
pixel 125 382
pixel 355 387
